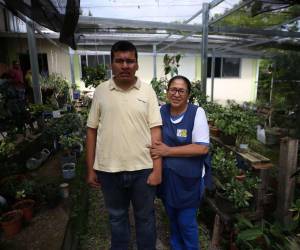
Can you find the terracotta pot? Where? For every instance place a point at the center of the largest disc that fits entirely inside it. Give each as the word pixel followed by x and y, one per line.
pixel 11 223
pixel 214 131
pixel 26 206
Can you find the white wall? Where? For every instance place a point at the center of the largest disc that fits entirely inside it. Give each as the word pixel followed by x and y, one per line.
pixel 145 72
pixel 239 89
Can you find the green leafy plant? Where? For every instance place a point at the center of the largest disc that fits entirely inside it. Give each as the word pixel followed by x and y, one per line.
pixel 171 64
pixel 160 87
pixel 234 121
pixel 57 83
pixel 93 76
pixel 197 96
pixel 6 148
pixel 296 210
pixel 69 140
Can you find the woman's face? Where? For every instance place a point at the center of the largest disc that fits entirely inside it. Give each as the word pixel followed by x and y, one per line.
pixel 178 93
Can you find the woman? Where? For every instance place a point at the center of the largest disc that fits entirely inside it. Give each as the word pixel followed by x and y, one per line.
pixel 185 136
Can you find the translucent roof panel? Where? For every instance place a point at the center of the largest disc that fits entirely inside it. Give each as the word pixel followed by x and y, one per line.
pixel 151 10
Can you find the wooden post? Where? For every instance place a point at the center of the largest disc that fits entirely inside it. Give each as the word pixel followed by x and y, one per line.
pixel 215 241
pixel 286 185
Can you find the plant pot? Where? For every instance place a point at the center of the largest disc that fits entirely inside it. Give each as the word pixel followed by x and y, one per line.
pixel 26 206
pixel 77 149
pixel 68 170
pixel 243 147
pixel 227 139
pixel 68 158
pixel 76 94
pixel 214 131
pixel 64 190
pixel 11 223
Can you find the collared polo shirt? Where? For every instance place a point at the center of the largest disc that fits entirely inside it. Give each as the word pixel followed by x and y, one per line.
pixel 123 119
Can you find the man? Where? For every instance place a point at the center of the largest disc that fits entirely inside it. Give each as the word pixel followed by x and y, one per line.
pixel 124 119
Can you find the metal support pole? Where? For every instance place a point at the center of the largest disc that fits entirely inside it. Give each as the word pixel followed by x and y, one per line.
pixel 71 54
pixel 154 62
pixel 205 16
pixel 212 75
pixel 34 65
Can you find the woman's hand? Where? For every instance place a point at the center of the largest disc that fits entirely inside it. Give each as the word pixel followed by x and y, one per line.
pixel 159 149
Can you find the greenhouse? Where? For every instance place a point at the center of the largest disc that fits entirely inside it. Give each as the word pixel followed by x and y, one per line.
pixel 68 119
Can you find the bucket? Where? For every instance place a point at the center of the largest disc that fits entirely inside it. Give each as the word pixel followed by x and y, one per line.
pixel 68 170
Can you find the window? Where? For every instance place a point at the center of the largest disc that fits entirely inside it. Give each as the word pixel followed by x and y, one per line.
pixel 224 67
pixel 94 60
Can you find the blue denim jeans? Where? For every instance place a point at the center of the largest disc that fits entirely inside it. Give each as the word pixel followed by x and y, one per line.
pixel 119 189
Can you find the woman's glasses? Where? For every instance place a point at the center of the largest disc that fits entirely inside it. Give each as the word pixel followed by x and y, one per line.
pixel 173 91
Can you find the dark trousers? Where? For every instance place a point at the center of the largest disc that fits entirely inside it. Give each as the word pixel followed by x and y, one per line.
pixel 119 189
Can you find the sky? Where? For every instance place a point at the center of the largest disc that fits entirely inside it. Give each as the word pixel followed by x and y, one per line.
pixel 151 10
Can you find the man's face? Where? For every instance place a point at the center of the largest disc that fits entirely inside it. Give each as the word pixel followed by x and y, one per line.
pixel 124 66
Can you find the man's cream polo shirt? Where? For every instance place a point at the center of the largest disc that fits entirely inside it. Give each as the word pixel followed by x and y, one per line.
pixel 123 120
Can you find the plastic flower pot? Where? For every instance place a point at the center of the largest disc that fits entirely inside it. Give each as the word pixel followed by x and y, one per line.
pixel 64 190
pixel 11 223
pixel 26 206
pixel 68 158
pixel 68 170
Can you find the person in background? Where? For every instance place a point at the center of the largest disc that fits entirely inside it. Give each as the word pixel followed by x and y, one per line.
pixel 123 120
pixel 16 75
pixel 184 147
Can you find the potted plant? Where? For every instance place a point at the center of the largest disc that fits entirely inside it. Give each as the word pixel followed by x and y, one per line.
pixel 93 76
pixel 27 206
pixel 6 149
pixel 67 142
pixel 11 223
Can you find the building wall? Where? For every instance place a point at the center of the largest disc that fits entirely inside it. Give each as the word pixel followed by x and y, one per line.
pixel 58 59
pixel 240 89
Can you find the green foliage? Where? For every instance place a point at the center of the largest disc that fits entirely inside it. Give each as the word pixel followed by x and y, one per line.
pixel 6 148
pixel 171 64
pixel 213 110
pixel 244 18
pixel 263 235
pixel 235 121
pixel 94 76
pixel 57 83
pixel 225 170
pixel 196 95
pixel 68 123
pixel 69 140
pixel 296 210
pixel 160 87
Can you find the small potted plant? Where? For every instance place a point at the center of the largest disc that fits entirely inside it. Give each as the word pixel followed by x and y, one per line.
pixel 11 223
pixel 27 206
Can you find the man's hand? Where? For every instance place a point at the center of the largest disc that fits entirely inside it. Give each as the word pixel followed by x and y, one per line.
pixel 92 180
pixel 154 178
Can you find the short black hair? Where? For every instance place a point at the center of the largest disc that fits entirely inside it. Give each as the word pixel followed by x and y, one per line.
pixel 179 77
pixel 123 46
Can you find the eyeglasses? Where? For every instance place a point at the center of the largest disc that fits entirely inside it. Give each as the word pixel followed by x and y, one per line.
pixel 122 61
pixel 173 91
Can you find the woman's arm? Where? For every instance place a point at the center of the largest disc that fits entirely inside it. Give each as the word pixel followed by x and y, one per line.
pixel 160 149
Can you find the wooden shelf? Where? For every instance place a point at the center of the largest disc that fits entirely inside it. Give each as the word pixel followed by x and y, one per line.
pixel 257 161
